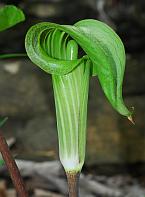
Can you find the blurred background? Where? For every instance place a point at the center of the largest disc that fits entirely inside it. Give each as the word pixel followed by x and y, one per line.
pixel 115 157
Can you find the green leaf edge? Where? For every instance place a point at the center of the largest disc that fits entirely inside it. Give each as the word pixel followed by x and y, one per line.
pixel 14 10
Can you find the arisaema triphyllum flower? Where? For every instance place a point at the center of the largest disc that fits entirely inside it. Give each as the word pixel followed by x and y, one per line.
pixel 56 50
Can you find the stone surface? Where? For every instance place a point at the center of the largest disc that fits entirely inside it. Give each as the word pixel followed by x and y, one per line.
pixel 111 137
pixel 39 137
pixel 21 91
pixel 134 79
pixel 133 136
pixel 103 142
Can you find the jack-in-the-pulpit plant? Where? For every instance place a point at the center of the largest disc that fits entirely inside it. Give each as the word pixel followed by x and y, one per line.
pixel 56 49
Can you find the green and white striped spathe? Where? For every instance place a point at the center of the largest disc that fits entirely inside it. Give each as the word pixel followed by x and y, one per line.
pixel 71 111
pixel 71 96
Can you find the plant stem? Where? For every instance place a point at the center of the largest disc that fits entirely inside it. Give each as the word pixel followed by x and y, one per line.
pixel 73 183
pixel 12 55
pixel 12 167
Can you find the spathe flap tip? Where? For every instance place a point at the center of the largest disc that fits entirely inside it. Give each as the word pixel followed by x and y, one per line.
pixel 131 120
